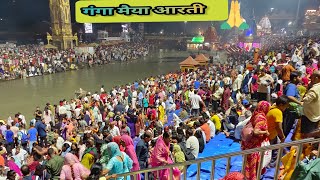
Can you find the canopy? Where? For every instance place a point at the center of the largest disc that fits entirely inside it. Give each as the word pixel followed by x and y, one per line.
pixel 201 58
pixel 189 62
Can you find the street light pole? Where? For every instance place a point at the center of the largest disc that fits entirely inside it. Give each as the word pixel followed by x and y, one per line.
pixel 298 13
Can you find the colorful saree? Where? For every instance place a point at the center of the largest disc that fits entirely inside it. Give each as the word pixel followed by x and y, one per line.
pixel 159 157
pixel 129 150
pixel 258 121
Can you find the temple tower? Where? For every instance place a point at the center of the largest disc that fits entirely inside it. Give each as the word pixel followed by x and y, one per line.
pixel 61 36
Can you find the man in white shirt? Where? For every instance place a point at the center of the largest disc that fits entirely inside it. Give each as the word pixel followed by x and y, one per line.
pixel 113 129
pixel 192 143
pixel 19 155
pixel 212 128
pixel 96 96
pixel 311 105
pixel 236 86
pixel 62 111
pixel 102 89
pixel 195 100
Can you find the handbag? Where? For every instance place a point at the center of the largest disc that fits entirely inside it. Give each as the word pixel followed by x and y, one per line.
pixel 247 132
pixel 267 154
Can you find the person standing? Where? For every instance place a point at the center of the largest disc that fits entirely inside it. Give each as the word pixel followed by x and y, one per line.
pixel 291 114
pixel 32 136
pixel 161 156
pixel 311 106
pixel 195 100
pixel 286 71
pixel 275 118
pixel 42 132
pixel 264 81
pixel 38 114
pixel 274 121
pixel 142 150
pixel 260 134
pixel 236 86
pixel 9 136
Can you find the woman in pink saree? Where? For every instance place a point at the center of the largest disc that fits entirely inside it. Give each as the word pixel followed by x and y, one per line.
pixel 73 169
pixel 161 156
pixel 129 150
pixel 13 166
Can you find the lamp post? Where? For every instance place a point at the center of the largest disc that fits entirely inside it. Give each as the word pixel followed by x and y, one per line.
pixel 298 13
pixel 185 27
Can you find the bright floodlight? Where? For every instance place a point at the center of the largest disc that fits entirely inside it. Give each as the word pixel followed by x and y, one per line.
pixel 289 24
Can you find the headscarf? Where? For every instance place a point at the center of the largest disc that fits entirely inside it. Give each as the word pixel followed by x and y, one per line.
pixel 117 139
pixel 129 150
pixel 70 159
pixel 104 155
pixel 87 160
pixel 178 155
pixel 262 109
pixel 113 150
pixel 234 176
pixel 77 171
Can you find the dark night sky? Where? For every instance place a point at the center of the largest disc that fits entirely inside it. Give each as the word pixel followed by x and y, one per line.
pixel 23 14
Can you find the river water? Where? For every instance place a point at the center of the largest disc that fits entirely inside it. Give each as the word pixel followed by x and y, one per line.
pixel 24 95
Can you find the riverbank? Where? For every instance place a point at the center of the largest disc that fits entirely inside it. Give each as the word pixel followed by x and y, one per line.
pixel 24 95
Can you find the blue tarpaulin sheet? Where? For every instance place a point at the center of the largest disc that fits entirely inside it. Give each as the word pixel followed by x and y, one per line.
pixel 219 145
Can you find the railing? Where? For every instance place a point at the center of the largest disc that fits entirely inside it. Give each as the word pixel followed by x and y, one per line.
pixel 279 147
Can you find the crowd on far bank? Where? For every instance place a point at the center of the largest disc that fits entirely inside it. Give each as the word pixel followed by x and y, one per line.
pixel 34 60
pixel 102 134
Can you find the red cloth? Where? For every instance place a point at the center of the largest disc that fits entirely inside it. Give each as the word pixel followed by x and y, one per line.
pixel 117 139
pixel 259 121
pixel 234 176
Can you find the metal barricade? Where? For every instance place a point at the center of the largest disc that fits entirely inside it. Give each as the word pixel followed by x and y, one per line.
pixel 228 156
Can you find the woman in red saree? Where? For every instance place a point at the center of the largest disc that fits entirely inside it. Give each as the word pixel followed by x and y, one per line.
pixel 260 134
pixel 161 156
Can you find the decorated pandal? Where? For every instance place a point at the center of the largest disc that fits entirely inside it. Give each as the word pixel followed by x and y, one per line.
pixel 249 42
pixel 207 41
pixel 264 26
pixel 311 20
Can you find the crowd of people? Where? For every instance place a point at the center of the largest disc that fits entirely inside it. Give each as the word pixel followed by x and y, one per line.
pixel 35 60
pixel 106 133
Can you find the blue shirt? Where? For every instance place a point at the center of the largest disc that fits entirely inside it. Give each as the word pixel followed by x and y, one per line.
pixel 41 128
pixel 196 85
pixel 32 132
pixel 292 90
pixel 136 85
pixel 9 136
